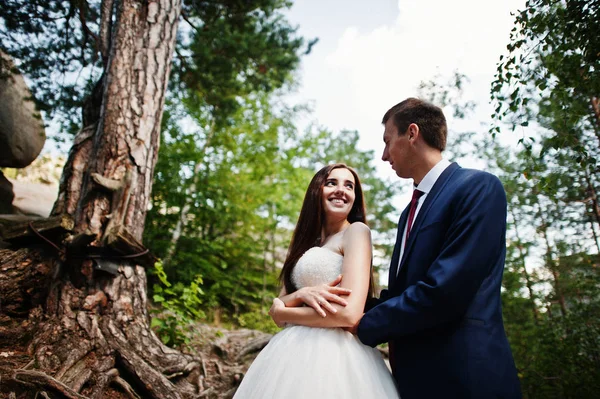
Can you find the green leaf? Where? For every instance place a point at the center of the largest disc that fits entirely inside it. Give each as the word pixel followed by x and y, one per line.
pixel 158 298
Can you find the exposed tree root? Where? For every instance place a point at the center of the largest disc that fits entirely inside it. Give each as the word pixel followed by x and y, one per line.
pixel 254 346
pixel 42 380
pixel 102 383
pixel 97 335
pixel 126 387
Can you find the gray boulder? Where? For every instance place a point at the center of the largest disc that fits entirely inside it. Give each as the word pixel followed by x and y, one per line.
pixel 6 195
pixel 22 134
pixel 34 199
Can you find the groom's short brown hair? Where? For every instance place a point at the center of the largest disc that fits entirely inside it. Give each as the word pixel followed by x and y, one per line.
pixel 429 118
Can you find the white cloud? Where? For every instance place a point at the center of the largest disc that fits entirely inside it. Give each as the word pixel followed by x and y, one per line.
pixel 366 72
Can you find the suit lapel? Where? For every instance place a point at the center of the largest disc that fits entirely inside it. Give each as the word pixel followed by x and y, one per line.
pixel 429 200
pixel 396 255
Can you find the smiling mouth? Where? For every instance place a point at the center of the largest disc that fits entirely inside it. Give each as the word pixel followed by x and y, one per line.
pixel 338 201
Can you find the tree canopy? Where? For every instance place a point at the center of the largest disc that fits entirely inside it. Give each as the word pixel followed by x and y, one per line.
pixel 547 89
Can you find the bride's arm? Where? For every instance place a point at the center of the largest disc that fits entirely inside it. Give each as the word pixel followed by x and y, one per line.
pixel 320 297
pixel 356 271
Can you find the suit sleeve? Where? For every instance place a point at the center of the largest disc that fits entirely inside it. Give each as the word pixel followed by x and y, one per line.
pixel 474 243
pixel 372 302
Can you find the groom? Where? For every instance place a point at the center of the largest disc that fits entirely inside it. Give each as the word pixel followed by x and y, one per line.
pixel 441 313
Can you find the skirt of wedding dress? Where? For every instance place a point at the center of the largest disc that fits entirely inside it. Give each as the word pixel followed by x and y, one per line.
pixel 314 363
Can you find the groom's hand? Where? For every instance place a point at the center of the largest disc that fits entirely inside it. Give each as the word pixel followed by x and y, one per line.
pixel 354 328
pixel 321 297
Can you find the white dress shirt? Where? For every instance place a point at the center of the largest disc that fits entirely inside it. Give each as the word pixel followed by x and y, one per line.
pixel 425 186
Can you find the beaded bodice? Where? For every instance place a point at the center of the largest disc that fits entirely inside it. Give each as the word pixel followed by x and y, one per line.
pixel 317 266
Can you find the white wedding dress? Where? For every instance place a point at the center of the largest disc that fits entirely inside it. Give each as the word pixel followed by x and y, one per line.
pixel 315 363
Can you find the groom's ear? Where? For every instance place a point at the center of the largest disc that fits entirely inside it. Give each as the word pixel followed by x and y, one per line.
pixel 413 132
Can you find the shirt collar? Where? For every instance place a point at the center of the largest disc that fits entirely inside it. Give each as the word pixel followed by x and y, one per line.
pixel 432 176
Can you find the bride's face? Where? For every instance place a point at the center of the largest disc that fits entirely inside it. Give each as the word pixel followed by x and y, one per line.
pixel 338 193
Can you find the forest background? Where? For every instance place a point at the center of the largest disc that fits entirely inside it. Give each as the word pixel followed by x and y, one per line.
pixel 233 166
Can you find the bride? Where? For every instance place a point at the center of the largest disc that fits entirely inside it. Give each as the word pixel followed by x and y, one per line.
pixel 313 356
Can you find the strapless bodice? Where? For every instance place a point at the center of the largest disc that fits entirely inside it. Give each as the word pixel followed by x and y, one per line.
pixel 317 266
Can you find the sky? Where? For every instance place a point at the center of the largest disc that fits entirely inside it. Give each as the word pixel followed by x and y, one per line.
pixel 373 54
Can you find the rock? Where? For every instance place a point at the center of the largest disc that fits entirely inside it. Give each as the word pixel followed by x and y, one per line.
pixel 35 199
pixel 22 134
pixel 6 195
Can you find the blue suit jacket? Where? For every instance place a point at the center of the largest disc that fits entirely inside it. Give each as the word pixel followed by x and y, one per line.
pixel 442 313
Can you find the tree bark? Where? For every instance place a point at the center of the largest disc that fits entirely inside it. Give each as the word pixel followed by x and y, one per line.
pixel 24 275
pixel 593 196
pixel 551 264
pixel 125 143
pixel 595 103
pixel 95 334
pixel 528 282
pixel 593 228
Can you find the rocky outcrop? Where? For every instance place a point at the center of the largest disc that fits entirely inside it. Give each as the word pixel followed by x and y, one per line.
pixel 22 134
pixel 6 195
pixel 34 199
pixel 32 190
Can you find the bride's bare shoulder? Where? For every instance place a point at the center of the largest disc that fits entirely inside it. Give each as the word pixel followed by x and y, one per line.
pixel 357 230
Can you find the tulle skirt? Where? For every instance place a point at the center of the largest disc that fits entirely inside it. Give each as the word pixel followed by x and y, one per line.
pixel 314 363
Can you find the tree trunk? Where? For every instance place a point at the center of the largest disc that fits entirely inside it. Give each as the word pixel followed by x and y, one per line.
pixel 592 193
pixel 591 219
pixel 94 334
pixel 551 265
pixel 528 281
pixel 595 103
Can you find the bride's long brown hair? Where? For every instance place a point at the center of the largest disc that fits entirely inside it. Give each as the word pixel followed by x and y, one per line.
pixel 307 233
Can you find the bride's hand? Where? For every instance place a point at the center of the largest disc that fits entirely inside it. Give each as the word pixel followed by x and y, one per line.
pixel 274 311
pixel 322 296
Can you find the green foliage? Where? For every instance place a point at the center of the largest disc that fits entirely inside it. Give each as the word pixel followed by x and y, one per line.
pixel 172 329
pixel 257 320
pixel 557 357
pixel 180 307
pixel 552 73
pixel 235 49
pixel 236 196
pixel 552 79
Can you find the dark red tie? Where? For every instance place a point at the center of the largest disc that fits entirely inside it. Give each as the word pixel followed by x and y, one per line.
pixel 411 213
